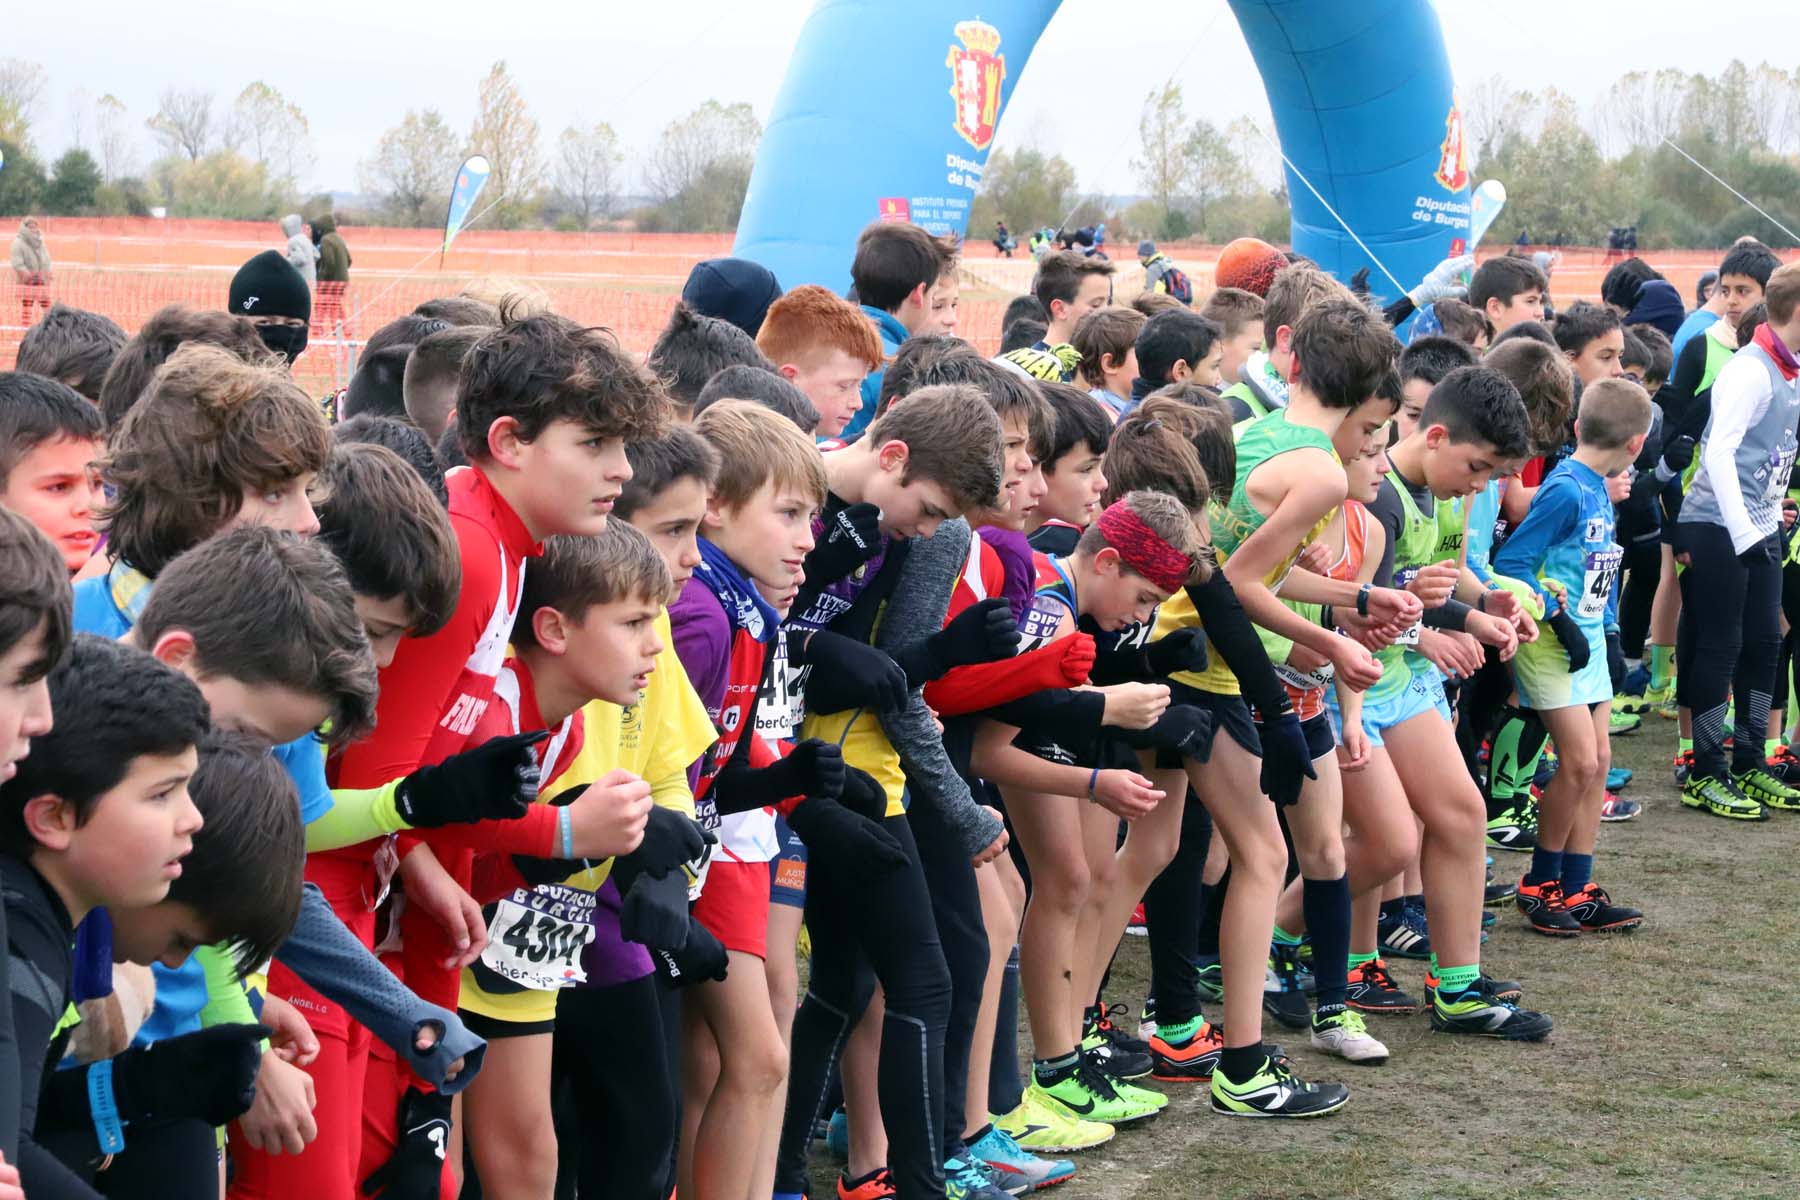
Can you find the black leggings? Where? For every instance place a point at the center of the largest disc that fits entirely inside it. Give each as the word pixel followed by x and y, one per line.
pixel 866 929
pixel 1727 642
pixel 1643 570
pixel 956 908
pixel 616 1132
pixel 1172 917
pixel 1790 608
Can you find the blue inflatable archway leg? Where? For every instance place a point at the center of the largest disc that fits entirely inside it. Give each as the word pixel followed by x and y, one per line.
pixel 888 112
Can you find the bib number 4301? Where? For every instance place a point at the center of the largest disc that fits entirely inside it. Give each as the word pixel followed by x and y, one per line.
pixel 540 936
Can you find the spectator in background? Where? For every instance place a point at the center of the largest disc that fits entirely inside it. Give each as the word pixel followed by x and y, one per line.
pixel 31 268
pixel 301 253
pixel 72 345
pixel 732 289
pixel 334 269
pixel 274 297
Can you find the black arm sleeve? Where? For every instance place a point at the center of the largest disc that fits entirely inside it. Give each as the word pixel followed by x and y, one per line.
pixel 1685 406
pixel 39 958
pixel 1122 662
pixel 1388 510
pixel 1231 633
pixel 1069 718
pixel 1398 311
pixel 1451 615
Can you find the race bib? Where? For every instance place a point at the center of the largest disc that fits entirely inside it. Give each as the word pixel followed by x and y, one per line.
pixel 1600 570
pixel 1781 467
pixel 1410 635
pixel 537 937
pixel 1304 681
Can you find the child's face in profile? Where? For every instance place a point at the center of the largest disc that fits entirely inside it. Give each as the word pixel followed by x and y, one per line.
pixel 832 379
pixel 1118 596
pixel 570 477
pixel 131 846
pixel 56 487
pixel 24 700
pixel 1206 374
pixel 1600 358
pixel 1238 349
pixel 1074 487
pixel 164 933
pixel 671 520
pixel 1365 472
pixel 1527 305
pixel 767 536
pixel 614 648
pixel 944 297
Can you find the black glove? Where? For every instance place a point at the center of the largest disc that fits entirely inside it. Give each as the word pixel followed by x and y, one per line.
pixel 209 1075
pixel 1574 641
pixel 1615 661
pixel 851 537
pixel 1183 650
pixel 843 841
pixel 538 871
pixel 983 632
pixel 813 768
pixel 655 912
pixel 862 795
pixel 1286 758
pixel 702 958
pixel 496 781
pixel 1678 454
pixel 670 839
pixel 849 674
pixel 1183 729
pixel 416 1168
pixel 1359 282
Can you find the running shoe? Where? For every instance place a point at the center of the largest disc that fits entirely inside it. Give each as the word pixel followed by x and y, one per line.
pixel 968 1179
pixel 1542 906
pixel 877 1185
pixel 1481 1013
pixel 1631 695
pixel 1401 939
pixel 1784 765
pixel 1618 778
pixel 1092 1095
pixel 1038 1125
pixel 1618 808
pixel 1136 926
pixel 1147 1025
pixel 1621 723
pixel 1190 1061
pixel 1505 990
pixel 1011 1163
pixel 1596 912
pixel 1113 1050
pixel 1721 798
pixel 1684 766
pixel 1514 827
pixel 1275 1091
pixel 837 1134
pixel 1344 1034
pixel 1113 1032
pixel 1661 701
pixel 1283 998
pixel 1373 990
pixel 1761 785
pixel 1495 895
pixel 1212 979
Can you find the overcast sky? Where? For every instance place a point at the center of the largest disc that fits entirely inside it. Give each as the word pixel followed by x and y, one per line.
pixel 355 68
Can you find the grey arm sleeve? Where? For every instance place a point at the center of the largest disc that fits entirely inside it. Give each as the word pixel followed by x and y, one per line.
pixel 324 953
pixel 915 611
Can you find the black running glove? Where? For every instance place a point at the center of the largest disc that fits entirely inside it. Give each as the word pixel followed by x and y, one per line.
pixel 415 1170
pixel 849 674
pixel 1678 454
pixel 812 768
pixel 843 841
pixel 496 781
pixel 209 1075
pixel 1286 758
pixel 654 912
pixel 983 632
pixel 863 795
pixel 700 959
pixel 1574 641
pixel 670 839
pixel 851 537
pixel 1183 729
pixel 1183 650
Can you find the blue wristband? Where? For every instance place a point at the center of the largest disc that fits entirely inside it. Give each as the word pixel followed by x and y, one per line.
pixel 1093 776
pixel 107 1126
pixel 565 829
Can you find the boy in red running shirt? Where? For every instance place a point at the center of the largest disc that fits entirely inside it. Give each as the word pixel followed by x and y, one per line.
pixel 543 411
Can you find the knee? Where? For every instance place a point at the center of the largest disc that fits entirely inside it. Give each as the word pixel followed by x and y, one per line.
pixel 922 994
pixel 1261 858
pixel 1584 766
pixel 1459 814
pixel 1150 849
pixel 1062 883
pixel 759 1069
pixel 1321 856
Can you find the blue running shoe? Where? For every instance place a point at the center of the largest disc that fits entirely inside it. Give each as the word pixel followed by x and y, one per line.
pixel 1618 778
pixel 967 1180
pixel 837 1134
pixel 1012 1164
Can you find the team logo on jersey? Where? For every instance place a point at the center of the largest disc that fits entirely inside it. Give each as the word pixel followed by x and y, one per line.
pixel 1453 155
pixel 976 76
pixel 1596 529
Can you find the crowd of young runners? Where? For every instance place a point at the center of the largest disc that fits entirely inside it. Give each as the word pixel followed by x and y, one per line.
pixel 540 773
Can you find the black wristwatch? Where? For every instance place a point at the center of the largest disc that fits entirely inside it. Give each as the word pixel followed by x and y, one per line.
pixel 1362 599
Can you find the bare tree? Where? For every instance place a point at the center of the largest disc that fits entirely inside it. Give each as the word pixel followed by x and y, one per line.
pixel 80 101
pixel 1165 166
pixel 1495 111
pixel 113 144
pixel 701 165
pixel 507 134
pixel 412 166
pixel 184 123
pixel 587 169
pixel 21 83
pixel 271 130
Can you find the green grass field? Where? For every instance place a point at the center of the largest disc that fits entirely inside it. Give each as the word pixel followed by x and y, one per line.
pixel 1672 1073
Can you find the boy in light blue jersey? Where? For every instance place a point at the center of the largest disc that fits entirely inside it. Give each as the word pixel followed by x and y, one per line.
pixel 1565 549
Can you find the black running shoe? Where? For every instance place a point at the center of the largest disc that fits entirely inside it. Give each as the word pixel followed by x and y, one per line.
pixel 1542 905
pixel 1275 1091
pixel 1405 935
pixel 1373 990
pixel 1507 991
pixel 1496 895
pixel 1113 1051
pixel 1283 997
pixel 1596 912
pixel 1480 1013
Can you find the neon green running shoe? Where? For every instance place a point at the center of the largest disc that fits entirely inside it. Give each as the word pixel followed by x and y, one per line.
pixel 1721 798
pixel 1091 1095
pixel 1042 1127
pixel 1275 1091
pixel 1622 723
pixel 1766 789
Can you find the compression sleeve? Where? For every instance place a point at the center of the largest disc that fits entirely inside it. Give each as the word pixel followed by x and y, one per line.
pixel 1681 397
pixel 356 815
pixel 226 1001
pixel 1740 396
pixel 983 685
pixel 329 958
pixel 1389 512
pixel 1554 516
pixel 1232 634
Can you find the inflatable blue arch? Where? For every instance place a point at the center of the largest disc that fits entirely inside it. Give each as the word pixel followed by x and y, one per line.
pixel 889 109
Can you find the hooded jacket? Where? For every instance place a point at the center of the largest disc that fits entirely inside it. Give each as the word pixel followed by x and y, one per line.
pixel 301 253
pixel 28 253
pixel 1659 305
pixel 334 255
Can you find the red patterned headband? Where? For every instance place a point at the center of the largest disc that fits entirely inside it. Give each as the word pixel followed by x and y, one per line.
pixel 1143 549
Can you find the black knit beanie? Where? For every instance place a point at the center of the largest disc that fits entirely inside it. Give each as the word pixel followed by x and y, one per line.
pixel 268 286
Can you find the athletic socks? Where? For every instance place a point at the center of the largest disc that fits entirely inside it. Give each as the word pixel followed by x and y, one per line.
pixel 1577 871
pixel 1180 1033
pixel 1241 1063
pixel 1454 981
pixel 1326 903
pixel 1356 960
pixel 1051 1071
pixel 1546 866
pixel 1662 666
pixel 1518 745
